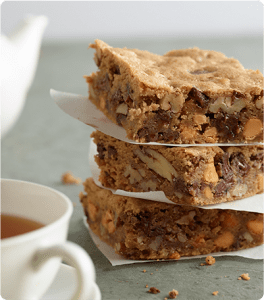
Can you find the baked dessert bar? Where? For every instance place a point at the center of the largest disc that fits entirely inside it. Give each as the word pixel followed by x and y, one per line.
pixel 194 175
pixel 143 229
pixel 186 96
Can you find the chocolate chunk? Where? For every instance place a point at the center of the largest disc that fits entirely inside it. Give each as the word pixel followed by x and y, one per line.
pixel 103 84
pixel 198 72
pixel 194 189
pixel 154 129
pixel 116 70
pixel 237 95
pixel 226 125
pixel 259 156
pixel 112 153
pixel 198 97
pixel 116 98
pixel 101 149
pixel 227 174
pixel 238 163
pixel 120 118
pixel 164 115
pixel 179 186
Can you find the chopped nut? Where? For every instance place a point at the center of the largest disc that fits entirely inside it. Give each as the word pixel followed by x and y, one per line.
pixel 239 190
pixel 172 102
pixel 68 178
pixel 224 103
pixel 199 119
pixel 92 210
pixel 245 276
pixel 215 293
pixel 248 236
pixel 259 103
pixel 108 222
pixel 210 260
pixel 157 163
pixel 122 109
pixel 252 128
pixel 133 174
pixel 154 290
pixel 102 102
pixel 173 294
pixel 148 185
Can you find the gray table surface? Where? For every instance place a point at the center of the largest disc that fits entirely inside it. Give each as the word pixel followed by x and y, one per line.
pixel 45 143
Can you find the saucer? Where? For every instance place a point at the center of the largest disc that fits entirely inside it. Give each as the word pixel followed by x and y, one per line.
pixel 65 284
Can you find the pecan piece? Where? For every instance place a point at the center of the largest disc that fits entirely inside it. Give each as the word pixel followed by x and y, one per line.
pixel 157 162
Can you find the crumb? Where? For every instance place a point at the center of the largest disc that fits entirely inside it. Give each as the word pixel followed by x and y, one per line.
pixel 215 293
pixel 165 298
pixel 210 260
pixel 74 204
pixel 239 278
pixel 144 271
pixel 202 264
pixel 68 178
pixel 173 294
pixel 245 276
pixel 156 269
pixel 154 290
pixel 151 273
pixel 146 285
pixel 157 259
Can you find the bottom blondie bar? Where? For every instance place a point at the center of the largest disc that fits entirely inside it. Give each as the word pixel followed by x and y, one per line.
pixel 138 230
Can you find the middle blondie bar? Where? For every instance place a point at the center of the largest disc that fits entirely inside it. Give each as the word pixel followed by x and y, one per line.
pixel 187 175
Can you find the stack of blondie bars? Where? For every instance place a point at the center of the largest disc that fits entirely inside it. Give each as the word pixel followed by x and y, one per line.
pixel 173 108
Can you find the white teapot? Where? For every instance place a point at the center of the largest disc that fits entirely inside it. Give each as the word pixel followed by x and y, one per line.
pixel 19 58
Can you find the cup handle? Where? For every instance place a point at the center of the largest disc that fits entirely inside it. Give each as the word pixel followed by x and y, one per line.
pixel 75 256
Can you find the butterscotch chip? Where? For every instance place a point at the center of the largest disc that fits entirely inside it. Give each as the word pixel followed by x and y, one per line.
pixel 215 293
pixel 252 128
pixel 154 290
pixel 225 240
pixel 68 178
pixel 173 294
pixel 245 276
pixel 170 97
pixel 210 260
pixel 255 226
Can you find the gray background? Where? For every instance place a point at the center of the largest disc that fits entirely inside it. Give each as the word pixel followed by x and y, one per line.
pixel 46 142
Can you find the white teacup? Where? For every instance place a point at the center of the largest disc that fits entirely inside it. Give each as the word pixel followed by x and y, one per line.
pixel 30 261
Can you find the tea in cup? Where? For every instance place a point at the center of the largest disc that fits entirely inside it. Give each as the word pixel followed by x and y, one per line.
pixel 34 228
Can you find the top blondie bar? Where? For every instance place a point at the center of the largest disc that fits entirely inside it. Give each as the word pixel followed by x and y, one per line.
pixel 187 96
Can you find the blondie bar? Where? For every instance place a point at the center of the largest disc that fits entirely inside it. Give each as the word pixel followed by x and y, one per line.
pixel 143 229
pixel 187 175
pixel 186 96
